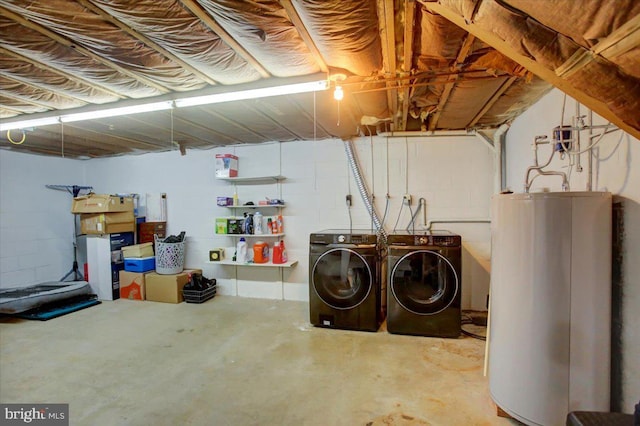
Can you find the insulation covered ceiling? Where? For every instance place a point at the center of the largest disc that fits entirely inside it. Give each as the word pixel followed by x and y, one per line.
pixel 412 65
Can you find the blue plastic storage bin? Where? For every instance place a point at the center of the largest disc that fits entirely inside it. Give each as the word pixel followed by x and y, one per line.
pixel 140 264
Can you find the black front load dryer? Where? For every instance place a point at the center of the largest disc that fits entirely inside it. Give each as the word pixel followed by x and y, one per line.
pixel 424 279
pixel 346 282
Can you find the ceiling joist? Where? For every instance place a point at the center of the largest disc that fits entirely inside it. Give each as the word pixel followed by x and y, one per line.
pixel 146 40
pixel 620 41
pixel 532 65
pixel 451 80
pixel 386 17
pixel 197 10
pixel 487 106
pixel 292 13
pixel 57 92
pixel 24 100
pixel 407 64
pixel 76 47
pixel 61 73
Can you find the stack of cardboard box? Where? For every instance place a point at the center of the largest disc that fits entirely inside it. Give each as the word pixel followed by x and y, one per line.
pixel 104 213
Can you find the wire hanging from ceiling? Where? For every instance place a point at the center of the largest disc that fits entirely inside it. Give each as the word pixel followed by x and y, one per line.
pixel 62 138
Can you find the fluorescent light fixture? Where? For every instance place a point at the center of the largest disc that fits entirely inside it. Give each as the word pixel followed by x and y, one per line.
pixel 29 123
pixel 113 112
pixel 287 89
pixel 265 92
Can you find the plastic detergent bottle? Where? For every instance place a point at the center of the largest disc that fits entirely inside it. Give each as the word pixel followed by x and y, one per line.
pixel 241 251
pixel 260 252
pixel 257 223
pixel 277 253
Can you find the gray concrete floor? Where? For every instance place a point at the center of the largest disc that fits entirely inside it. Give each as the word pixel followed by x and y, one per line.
pixel 238 361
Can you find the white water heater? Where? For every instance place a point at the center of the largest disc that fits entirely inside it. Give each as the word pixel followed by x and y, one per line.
pixel 550 308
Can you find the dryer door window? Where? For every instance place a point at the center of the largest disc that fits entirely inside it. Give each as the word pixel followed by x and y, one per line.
pixel 342 278
pixel 424 282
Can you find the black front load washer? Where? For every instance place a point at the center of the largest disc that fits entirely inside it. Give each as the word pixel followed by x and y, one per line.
pixel 424 284
pixel 346 281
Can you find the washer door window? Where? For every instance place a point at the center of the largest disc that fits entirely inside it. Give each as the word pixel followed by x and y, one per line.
pixel 342 278
pixel 424 282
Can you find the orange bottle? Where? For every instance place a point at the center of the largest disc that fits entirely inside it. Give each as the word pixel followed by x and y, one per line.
pixel 260 252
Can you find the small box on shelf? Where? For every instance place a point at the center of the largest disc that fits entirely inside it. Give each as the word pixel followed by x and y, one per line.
pixel 226 165
pixel 216 255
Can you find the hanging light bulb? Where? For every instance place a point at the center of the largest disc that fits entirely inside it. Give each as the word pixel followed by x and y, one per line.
pixel 338 93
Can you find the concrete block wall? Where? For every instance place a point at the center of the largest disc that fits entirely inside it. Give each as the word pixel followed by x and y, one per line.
pixel 453 175
pixel 36 224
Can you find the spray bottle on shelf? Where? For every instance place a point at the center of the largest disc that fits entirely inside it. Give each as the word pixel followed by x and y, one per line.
pixel 236 202
pixel 280 224
pixel 257 223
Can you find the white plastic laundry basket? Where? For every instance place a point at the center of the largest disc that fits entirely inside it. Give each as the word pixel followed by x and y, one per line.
pixel 169 257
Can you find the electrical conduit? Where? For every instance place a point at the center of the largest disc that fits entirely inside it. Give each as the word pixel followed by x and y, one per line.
pixel 362 188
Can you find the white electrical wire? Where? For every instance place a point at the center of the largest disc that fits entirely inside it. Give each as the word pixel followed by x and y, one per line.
pixel 593 145
pixel 62 138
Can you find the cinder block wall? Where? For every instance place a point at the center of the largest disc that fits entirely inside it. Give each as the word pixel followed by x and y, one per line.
pixel 36 224
pixel 452 175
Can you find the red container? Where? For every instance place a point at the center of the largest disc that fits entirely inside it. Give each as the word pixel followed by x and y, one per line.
pixel 279 253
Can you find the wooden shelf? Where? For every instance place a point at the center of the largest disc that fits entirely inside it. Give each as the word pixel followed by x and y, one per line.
pixel 254 179
pixel 288 264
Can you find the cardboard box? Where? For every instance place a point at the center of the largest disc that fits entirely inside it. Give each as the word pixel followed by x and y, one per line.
pixel 138 250
pixel 234 226
pixel 167 288
pixel 224 201
pixel 216 255
pixel 102 203
pixel 221 225
pixel 132 285
pixel 146 230
pixel 107 223
pixel 226 165
pixel 140 264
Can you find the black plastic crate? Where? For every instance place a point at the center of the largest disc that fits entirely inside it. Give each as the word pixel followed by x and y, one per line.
pixel 199 296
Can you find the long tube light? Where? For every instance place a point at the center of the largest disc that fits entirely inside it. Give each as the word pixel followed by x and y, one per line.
pixel 114 112
pixel 45 121
pixel 287 89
